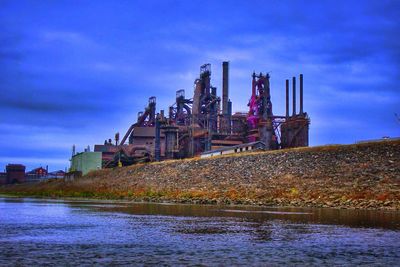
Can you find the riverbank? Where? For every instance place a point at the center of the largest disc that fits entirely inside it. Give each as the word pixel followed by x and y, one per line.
pixel 343 176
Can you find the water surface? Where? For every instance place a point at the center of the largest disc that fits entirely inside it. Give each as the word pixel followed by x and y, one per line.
pixel 55 232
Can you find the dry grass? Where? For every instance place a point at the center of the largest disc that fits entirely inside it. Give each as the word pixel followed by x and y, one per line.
pixel 206 180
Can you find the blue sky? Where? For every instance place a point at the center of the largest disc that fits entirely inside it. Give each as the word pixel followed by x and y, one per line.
pixel 76 72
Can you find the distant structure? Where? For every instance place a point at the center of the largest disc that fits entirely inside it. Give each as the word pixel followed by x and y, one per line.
pixel 56 174
pixel 248 147
pixel 39 172
pixel 85 162
pixel 203 123
pixel 36 174
pixel 15 173
pixel 3 178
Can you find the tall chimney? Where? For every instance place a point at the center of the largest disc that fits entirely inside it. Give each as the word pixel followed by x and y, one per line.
pixel 225 87
pixel 287 98
pixel 301 94
pixel 294 95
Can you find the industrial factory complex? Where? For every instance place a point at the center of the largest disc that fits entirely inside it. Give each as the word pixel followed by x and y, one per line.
pixel 204 125
pixel 200 125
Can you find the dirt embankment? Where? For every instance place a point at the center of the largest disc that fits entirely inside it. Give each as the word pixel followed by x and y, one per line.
pixel 349 176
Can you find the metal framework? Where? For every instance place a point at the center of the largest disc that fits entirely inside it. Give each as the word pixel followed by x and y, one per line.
pixel 198 124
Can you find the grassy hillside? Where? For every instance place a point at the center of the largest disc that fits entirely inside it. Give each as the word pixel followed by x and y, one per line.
pixel 355 176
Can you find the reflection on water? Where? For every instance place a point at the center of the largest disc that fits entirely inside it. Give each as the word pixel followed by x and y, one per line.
pixel 266 211
pixel 39 232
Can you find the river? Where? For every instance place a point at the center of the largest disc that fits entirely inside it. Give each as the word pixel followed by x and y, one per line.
pixel 61 232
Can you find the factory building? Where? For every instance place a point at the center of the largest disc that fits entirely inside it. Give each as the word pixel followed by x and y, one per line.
pixel 248 147
pixel 15 173
pixel 85 162
pixel 205 122
pixel 36 174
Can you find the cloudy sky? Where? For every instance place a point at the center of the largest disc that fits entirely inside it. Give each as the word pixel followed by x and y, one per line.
pixel 76 72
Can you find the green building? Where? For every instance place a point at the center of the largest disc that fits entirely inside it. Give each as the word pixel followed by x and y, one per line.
pixel 86 162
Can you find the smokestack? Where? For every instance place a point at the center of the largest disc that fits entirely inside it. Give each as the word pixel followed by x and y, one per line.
pixel 301 94
pixel 225 87
pixel 294 95
pixel 116 139
pixel 287 98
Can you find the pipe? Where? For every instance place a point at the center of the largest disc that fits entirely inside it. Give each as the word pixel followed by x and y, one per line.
pixel 294 95
pixel 225 87
pixel 301 94
pixel 287 98
pixel 267 98
pixel 157 146
pixel 253 85
pixel 229 119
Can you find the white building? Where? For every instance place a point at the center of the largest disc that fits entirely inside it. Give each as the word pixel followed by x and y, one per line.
pixel 234 149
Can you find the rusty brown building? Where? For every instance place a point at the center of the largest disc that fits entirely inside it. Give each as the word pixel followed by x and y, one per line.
pixel 15 173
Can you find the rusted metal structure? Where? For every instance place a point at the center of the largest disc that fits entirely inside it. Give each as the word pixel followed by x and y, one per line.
pixel 260 118
pixel 206 104
pixel 181 111
pixel 295 128
pixel 140 136
pixel 199 124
